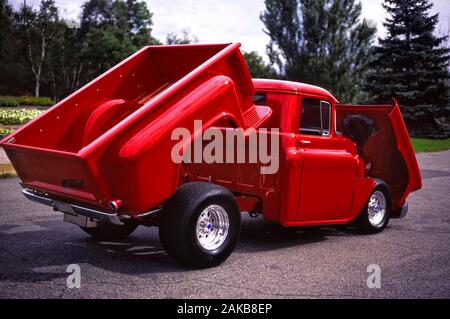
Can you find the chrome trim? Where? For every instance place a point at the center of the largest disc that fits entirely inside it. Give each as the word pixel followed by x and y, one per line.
pixel 212 227
pixel 377 209
pixel 329 118
pixel 338 133
pixel 321 130
pixel 88 212
pixel 149 214
pixel 36 198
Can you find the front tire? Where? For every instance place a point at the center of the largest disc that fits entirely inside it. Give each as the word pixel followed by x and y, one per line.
pixel 375 215
pixel 200 225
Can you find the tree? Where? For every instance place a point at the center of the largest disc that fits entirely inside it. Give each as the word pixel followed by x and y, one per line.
pixel 112 30
pixel 322 42
pixel 186 38
pixel 7 45
pixel 48 55
pixel 411 64
pixel 139 23
pixel 6 26
pixel 258 68
pixel 38 29
pixel 96 14
pixel 65 63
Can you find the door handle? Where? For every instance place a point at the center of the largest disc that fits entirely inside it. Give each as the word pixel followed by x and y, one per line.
pixel 304 142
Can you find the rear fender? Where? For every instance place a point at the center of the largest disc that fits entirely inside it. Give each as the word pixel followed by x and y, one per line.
pixel 155 175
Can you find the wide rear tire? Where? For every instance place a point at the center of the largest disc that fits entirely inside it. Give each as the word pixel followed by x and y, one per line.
pixel 200 225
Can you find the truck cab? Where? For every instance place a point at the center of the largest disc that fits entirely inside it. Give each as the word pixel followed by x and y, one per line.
pixel 323 166
pixel 334 159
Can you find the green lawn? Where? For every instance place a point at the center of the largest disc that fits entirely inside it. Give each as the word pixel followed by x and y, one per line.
pixel 428 145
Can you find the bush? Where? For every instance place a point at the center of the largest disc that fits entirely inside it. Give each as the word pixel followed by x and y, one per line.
pixel 35 101
pixel 5 131
pixel 8 101
pixel 13 101
pixel 17 116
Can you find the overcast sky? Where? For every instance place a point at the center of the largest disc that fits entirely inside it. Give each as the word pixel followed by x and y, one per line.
pixel 228 20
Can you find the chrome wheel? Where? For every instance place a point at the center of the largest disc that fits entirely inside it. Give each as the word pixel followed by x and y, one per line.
pixel 377 209
pixel 212 227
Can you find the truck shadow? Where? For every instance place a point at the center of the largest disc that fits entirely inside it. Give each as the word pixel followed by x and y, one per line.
pixel 259 235
pixel 42 251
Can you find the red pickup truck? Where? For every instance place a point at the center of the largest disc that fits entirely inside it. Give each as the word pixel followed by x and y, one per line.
pixel 110 158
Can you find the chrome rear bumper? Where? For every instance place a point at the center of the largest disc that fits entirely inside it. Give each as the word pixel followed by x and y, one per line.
pixel 110 218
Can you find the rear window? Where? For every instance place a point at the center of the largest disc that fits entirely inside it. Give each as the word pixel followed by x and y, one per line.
pixel 260 99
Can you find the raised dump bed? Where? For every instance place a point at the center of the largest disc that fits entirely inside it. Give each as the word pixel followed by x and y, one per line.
pixel 111 138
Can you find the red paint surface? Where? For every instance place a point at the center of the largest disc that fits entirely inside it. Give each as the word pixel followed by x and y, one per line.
pixel 114 136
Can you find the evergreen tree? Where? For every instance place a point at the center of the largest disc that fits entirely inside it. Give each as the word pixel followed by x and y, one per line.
pixel 322 42
pixel 411 65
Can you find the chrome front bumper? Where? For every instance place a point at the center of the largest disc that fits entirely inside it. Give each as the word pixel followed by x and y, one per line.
pixel 404 211
pixel 400 213
pixel 110 218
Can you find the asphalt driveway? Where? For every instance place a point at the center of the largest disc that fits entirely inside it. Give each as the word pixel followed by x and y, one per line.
pixel 36 247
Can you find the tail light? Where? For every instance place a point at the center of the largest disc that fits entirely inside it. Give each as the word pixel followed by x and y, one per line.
pixel 115 204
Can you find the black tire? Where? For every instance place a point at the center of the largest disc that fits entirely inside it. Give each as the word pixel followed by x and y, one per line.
pixel 178 226
pixel 110 232
pixel 363 221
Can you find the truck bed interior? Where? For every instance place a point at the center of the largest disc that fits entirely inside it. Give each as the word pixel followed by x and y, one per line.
pixel 83 117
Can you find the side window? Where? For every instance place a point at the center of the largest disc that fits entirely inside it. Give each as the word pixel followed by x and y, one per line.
pixel 315 118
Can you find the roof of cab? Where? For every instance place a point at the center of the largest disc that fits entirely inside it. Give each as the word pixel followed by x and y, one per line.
pixel 279 85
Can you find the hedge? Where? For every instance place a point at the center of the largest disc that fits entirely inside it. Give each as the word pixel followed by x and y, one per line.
pixel 35 101
pixel 13 101
pixel 8 101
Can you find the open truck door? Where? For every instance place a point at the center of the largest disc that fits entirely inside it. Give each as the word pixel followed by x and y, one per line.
pixel 382 140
